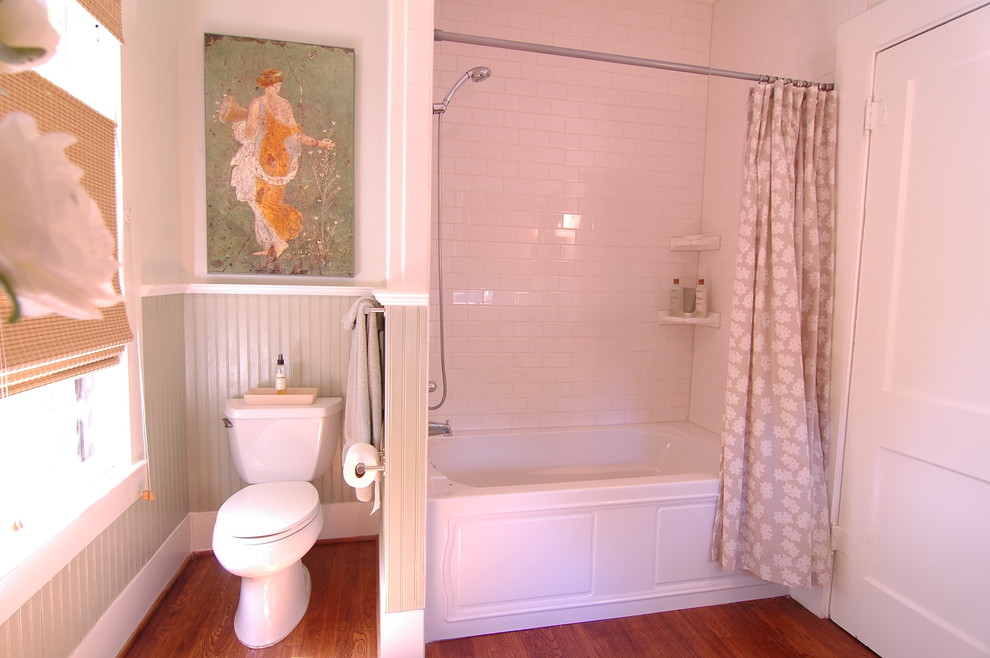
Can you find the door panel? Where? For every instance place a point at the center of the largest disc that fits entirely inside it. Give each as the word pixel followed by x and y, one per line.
pixel 915 497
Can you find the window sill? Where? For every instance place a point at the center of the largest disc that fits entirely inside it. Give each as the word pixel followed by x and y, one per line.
pixel 30 566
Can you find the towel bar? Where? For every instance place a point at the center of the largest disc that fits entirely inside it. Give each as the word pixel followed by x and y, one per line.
pixel 373 309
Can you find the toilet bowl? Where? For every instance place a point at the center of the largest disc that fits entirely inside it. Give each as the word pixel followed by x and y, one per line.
pixel 261 534
pixel 263 531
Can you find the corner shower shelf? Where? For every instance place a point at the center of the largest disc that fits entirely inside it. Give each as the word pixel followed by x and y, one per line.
pixel 713 319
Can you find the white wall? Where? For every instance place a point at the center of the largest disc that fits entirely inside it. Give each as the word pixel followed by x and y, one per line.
pixel 168 201
pixel 151 139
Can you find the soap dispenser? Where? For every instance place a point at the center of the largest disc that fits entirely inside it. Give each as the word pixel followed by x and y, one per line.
pixel 701 300
pixel 676 299
pixel 280 383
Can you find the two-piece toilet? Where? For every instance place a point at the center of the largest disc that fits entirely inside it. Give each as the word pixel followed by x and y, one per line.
pixel 263 530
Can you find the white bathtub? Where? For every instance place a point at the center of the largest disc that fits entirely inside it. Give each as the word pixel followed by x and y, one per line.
pixel 547 527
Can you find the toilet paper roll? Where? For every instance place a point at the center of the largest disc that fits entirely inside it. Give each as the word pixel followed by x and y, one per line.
pixel 366 483
pixel 360 453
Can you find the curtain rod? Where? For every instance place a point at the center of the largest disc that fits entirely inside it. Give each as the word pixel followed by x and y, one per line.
pixel 440 35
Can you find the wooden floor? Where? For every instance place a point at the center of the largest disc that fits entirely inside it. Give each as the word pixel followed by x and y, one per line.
pixel 195 619
pixel 769 627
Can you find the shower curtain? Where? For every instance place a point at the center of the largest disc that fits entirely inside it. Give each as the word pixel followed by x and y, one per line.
pixel 772 517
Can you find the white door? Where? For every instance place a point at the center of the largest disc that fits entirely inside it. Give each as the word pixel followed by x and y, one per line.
pixel 913 568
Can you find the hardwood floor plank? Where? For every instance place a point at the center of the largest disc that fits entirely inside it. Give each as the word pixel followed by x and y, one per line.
pixel 548 642
pixel 674 634
pixel 609 638
pixel 501 644
pixel 819 637
pixel 722 623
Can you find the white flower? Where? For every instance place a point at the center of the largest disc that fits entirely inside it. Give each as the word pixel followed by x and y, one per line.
pixel 27 39
pixel 56 253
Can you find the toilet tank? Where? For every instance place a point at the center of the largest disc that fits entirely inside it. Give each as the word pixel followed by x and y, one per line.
pixel 275 443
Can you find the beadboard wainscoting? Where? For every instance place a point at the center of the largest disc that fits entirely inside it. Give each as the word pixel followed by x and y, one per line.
pixel 403 543
pixel 232 342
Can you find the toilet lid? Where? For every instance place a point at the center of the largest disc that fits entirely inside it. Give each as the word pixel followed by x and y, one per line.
pixel 268 510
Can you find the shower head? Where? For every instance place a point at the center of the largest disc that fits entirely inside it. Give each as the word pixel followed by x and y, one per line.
pixel 477 74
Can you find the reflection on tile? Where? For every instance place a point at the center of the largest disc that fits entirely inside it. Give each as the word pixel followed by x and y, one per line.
pixel 476 297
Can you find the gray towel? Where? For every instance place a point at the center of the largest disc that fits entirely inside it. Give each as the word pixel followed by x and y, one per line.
pixel 363 404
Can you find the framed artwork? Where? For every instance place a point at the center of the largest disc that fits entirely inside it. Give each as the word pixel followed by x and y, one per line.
pixel 279 157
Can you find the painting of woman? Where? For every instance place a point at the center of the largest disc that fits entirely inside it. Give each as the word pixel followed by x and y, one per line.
pixel 267 161
pixel 293 184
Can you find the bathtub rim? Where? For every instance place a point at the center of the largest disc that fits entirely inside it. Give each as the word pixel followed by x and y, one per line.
pixel 681 426
pixel 440 487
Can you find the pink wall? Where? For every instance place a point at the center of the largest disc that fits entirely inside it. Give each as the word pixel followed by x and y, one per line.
pixel 563 181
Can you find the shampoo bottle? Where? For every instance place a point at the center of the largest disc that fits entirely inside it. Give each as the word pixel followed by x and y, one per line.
pixel 701 300
pixel 676 300
pixel 280 376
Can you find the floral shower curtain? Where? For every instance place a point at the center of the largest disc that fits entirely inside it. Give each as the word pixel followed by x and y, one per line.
pixel 772 517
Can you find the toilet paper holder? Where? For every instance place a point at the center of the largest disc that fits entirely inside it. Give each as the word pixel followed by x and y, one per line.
pixel 360 468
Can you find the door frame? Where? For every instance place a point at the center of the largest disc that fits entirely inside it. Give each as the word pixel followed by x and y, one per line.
pixel 859 41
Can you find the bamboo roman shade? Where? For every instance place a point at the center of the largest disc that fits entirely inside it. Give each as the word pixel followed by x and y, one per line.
pixel 38 351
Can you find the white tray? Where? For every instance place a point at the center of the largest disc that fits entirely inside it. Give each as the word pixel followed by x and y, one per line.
pixel 291 396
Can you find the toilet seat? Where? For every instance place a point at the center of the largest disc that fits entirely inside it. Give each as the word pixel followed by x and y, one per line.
pixel 268 512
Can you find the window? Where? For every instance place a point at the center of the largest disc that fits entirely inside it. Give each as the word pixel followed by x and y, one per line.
pixel 72 450
pixel 59 442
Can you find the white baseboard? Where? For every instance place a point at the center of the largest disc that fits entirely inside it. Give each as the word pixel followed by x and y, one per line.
pixel 114 628
pixel 401 635
pixel 340 520
pixel 202 531
pixel 815 599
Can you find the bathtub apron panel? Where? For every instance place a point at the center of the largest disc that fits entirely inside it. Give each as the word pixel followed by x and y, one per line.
pixel 520 556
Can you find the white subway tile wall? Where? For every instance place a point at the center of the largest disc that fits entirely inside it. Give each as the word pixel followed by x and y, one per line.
pixel 562 182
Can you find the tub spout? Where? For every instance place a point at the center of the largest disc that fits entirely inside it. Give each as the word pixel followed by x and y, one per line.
pixel 434 428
